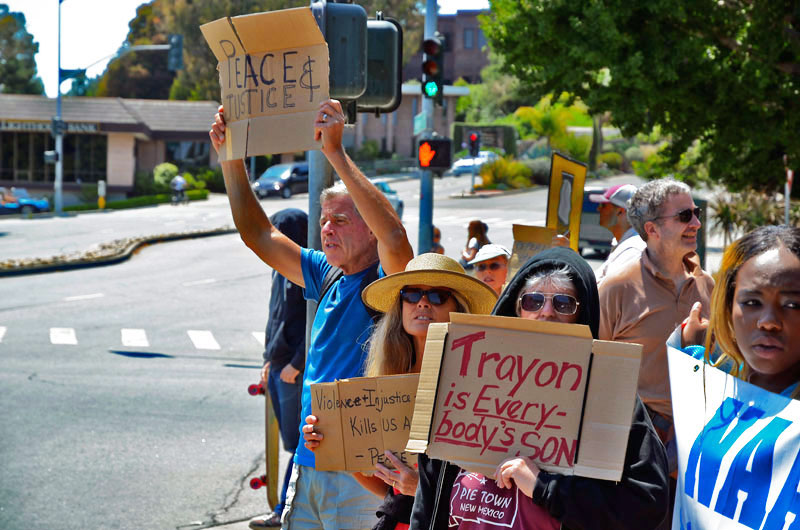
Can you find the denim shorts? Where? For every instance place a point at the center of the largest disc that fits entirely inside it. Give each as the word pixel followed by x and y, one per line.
pixel 331 500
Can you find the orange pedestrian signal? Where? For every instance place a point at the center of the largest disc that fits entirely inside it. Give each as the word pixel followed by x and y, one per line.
pixel 434 153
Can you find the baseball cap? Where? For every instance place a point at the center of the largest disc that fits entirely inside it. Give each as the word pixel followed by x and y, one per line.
pixel 618 195
pixel 490 251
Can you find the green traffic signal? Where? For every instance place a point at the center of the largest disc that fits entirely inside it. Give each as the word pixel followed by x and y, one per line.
pixel 431 89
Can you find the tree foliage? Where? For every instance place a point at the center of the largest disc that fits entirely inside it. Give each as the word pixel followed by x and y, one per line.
pixel 17 50
pixel 722 72
pixel 145 74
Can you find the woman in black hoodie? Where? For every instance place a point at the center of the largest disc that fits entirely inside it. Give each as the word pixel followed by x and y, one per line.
pixel 639 500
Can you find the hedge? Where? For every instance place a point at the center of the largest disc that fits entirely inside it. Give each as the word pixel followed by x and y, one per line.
pixel 136 202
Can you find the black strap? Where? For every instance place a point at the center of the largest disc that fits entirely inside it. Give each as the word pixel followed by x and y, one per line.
pixel 335 273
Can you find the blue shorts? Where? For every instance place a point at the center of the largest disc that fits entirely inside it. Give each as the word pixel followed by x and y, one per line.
pixel 331 500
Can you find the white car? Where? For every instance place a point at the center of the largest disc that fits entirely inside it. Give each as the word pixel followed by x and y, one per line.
pixel 465 165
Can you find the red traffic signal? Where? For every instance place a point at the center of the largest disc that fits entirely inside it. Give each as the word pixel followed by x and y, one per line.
pixel 435 153
pixel 473 137
pixel 474 143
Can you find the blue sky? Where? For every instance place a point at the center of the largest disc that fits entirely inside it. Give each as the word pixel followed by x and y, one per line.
pixel 94 29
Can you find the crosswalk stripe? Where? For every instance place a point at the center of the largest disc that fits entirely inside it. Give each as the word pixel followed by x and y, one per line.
pixel 63 336
pixel 203 339
pixel 260 336
pixel 134 338
pixel 83 297
pixel 2 333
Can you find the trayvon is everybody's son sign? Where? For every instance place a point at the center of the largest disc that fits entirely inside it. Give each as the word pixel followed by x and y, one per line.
pixel 492 387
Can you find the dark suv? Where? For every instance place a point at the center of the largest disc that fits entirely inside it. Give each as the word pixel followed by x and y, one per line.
pixel 283 180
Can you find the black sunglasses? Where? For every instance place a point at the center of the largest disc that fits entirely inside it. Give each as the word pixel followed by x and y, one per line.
pixel 491 266
pixel 684 216
pixel 412 295
pixel 562 303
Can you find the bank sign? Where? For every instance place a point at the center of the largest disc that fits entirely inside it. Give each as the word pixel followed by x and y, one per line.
pixel 41 126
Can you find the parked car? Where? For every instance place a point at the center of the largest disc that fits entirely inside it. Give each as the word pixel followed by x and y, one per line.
pixel 18 200
pixel 282 179
pixel 397 202
pixel 465 165
pixel 593 236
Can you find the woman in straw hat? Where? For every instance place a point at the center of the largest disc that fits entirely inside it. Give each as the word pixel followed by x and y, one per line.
pixel 431 287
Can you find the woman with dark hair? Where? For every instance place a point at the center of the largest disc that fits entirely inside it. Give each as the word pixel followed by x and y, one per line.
pixel 754 329
pixel 431 287
pixel 476 238
pixel 555 285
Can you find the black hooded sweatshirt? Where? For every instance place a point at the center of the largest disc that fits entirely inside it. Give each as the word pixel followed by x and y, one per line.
pixel 285 340
pixel 640 500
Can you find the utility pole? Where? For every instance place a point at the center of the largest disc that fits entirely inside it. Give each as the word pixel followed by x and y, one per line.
pixel 59 132
pixel 426 181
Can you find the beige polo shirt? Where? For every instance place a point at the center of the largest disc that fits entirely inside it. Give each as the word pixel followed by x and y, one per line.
pixel 640 305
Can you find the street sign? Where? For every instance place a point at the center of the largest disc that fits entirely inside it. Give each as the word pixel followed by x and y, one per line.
pixel 419 123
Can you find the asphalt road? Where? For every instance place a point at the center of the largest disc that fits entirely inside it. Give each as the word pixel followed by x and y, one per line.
pixel 124 401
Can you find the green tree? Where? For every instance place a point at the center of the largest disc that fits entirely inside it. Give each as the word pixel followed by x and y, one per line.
pixel 726 73
pixel 494 98
pixel 17 51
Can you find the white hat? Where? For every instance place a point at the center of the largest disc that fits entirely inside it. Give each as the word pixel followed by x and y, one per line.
pixel 618 195
pixel 490 251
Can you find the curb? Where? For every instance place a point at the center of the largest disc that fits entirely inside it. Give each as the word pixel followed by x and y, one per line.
pixel 490 194
pixel 118 257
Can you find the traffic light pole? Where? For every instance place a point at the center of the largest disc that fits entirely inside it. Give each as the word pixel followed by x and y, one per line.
pixel 58 202
pixel 426 180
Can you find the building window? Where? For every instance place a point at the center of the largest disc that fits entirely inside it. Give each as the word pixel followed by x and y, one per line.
pixel 481 39
pixel 22 157
pixel 469 38
pixel 85 157
pixel 187 155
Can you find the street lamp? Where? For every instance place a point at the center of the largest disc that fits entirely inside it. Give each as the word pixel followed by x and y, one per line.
pixel 58 130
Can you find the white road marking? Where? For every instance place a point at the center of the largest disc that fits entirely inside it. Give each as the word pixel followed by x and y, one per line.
pixel 134 338
pixel 203 339
pixel 3 333
pixel 83 297
pixel 260 336
pixel 199 282
pixel 63 336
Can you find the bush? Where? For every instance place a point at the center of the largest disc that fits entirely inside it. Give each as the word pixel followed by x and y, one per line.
pixel 212 178
pixel 370 149
pixel 576 147
pixel 193 183
pixel 88 193
pixel 634 154
pixel 164 173
pixel 611 159
pixel 136 202
pixel 504 173
pixel 540 170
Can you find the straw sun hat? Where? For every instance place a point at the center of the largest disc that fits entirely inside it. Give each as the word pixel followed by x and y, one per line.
pixel 435 270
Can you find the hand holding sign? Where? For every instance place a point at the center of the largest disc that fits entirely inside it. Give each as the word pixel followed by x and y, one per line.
pixel 519 471
pixel 217 132
pixel 312 438
pixel 402 477
pixel 329 126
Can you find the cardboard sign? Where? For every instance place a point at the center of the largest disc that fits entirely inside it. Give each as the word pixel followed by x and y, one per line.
pixel 528 241
pixel 273 73
pixel 565 197
pixel 361 418
pixel 493 387
pixel 738 459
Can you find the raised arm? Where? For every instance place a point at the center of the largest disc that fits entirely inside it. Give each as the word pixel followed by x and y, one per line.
pixel 394 250
pixel 269 244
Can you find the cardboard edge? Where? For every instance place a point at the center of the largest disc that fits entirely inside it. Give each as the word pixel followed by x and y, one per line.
pixel 419 435
pixel 598 425
pixel 522 324
pixel 210 29
pixel 289 15
pixel 324 465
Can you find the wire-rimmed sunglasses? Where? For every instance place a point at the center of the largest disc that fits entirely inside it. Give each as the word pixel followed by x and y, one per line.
pixel 562 303
pixel 684 216
pixel 413 295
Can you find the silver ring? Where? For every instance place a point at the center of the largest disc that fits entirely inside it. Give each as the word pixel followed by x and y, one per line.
pixel 324 117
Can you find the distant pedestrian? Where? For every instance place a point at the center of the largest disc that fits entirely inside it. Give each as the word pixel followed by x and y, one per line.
pixel 491 265
pixel 476 238
pixel 437 238
pixel 285 353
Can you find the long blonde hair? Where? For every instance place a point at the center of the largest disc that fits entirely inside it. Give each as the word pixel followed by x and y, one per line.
pixel 391 349
pixel 720 331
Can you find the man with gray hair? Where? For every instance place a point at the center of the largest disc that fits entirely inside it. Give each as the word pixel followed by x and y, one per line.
pixel 359 227
pixel 645 300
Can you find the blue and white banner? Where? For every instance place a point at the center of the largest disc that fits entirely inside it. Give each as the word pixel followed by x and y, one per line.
pixel 738 462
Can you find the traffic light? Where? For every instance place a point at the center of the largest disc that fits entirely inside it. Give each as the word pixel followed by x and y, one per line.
pixel 434 153
pixel 384 66
pixel 474 143
pixel 175 53
pixel 433 67
pixel 344 27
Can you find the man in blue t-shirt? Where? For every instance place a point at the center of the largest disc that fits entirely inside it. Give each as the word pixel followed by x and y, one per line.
pixel 359 227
